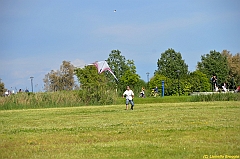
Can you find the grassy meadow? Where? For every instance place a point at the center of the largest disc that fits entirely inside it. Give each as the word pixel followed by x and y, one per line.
pixel 154 130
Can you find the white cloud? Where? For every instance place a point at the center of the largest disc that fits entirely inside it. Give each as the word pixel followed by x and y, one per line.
pixel 78 63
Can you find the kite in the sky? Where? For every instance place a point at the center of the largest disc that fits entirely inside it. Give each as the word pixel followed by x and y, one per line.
pixel 103 66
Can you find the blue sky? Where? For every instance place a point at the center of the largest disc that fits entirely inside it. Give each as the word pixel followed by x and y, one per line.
pixel 37 35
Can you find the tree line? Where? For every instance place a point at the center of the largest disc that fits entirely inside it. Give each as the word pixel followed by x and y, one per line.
pixel 171 69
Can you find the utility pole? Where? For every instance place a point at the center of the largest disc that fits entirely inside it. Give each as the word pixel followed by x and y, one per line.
pixel 147 79
pixel 178 71
pixel 148 76
pixel 32 83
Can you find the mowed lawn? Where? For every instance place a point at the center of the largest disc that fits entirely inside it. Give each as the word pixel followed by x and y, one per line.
pixel 163 130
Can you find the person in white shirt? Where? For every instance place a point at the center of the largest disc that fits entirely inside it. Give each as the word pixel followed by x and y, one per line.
pixel 129 97
pixel 6 93
pixel 224 87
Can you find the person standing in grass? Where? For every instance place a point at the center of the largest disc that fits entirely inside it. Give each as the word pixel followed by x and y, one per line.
pixel 142 94
pixel 129 97
pixel 155 91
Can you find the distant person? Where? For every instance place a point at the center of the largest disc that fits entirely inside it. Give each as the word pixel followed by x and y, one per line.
pixel 26 90
pixel 214 82
pixel 20 90
pixel 224 87
pixel 129 97
pixel 142 94
pixel 237 90
pixel 6 93
pixel 216 88
pixel 155 91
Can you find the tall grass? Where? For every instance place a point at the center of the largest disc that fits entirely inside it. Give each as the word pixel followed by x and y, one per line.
pixel 80 98
pixel 57 99
pixel 216 97
pixel 40 100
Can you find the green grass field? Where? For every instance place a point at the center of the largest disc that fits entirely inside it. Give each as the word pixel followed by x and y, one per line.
pixel 163 130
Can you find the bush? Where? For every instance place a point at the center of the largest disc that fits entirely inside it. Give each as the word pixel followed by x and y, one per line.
pixel 98 96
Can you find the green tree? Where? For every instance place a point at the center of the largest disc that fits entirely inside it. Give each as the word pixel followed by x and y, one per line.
pixel 130 77
pixel 89 75
pixel 199 82
pixel 125 71
pixel 234 68
pixel 157 79
pixel 171 61
pixel 2 88
pixel 59 80
pixel 141 84
pixel 117 63
pixel 214 63
pixel 94 87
